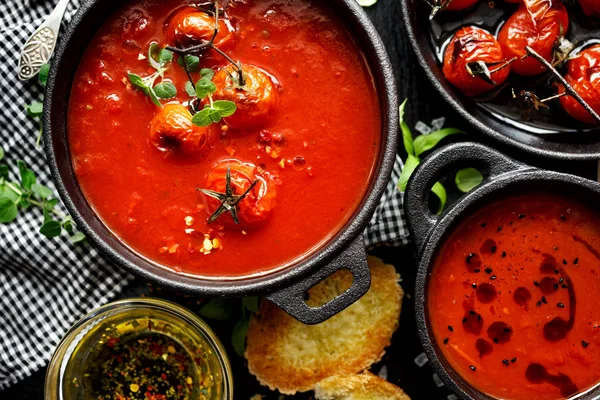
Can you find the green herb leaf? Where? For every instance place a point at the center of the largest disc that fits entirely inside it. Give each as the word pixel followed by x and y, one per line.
pixel 217 309
pixel 424 143
pixel 77 238
pixel 468 179
pixel 165 56
pixel 190 89
pixel 67 225
pixel 51 203
pixel 1 153
pixel 27 175
pixel 409 166
pixel 191 62
pixel 3 171
pixel 51 229
pixel 41 190
pixel 366 3
pixel 43 76
pixel 207 73
pixel 165 90
pixel 8 210
pixel 407 137
pixel 35 109
pixel 138 82
pixel 206 116
pixel 225 107
pixel 154 97
pixel 440 192
pixel 238 337
pixel 250 303
pixel 204 87
pixel 5 191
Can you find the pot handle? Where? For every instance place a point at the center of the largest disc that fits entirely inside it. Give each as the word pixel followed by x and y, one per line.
pixel 292 299
pixel 489 162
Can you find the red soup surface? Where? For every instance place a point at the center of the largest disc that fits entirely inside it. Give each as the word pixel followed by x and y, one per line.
pixel 311 142
pixel 513 298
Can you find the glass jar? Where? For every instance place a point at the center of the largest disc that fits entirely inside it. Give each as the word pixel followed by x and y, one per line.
pixel 163 333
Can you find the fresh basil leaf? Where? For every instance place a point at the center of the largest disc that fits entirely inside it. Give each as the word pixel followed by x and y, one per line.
pixel 468 179
pixel 424 143
pixel 8 210
pixel 27 175
pixel 207 73
pixel 225 107
pixel 43 75
pixel 366 3
pixel 154 97
pixel 440 192
pixel 138 82
pixel 407 136
pixel 190 89
pixel 217 309
pixel 250 303
pixel 41 190
pixel 51 229
pixel 3 171
pixel 191 63
pixel 35 109
pixel 77 238
pixel 165 90
pixel 238 337
pixel 1 153
pixel 206 116
pixel 204 87
pixel 409 166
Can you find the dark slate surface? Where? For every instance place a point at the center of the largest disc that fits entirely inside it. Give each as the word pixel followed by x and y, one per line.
pixel 424 105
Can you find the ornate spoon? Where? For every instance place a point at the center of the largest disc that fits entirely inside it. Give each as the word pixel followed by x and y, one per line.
pixel 39 47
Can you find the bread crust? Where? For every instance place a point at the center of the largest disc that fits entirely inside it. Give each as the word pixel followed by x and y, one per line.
pixel 365 386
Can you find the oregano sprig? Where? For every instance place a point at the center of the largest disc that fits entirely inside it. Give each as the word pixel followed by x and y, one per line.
pixel 16 196
pixel 159 59
pixel 35 110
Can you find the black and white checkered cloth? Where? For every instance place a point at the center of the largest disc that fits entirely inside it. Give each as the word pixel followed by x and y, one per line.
pixel 46 285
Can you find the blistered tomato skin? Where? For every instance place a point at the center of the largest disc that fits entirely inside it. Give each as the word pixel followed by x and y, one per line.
pixel 472 44
pixel 590 7
pixel 538 25
pixel 256 102
pixel 456 5
pixel 258 204
pixel 172 130
pixel 583 73
pixel 190 26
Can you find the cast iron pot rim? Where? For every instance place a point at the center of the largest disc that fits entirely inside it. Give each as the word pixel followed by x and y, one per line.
pixel 438 234
pixel 369 42
pixel 496 135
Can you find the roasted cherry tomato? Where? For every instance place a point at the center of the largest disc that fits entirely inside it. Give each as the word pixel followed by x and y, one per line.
pixel 258 204
pixel 590 7
pixel 583 73
pixel 172 130
pixel 469 45
pixel 256 100
pixel 456 5
pixel 537 23
pixel 190 26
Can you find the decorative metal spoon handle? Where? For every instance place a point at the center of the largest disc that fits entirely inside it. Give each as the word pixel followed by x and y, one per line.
pixel 39 47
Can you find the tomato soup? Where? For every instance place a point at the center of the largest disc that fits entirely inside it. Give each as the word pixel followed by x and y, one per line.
pixel 299 143
pixel 513 298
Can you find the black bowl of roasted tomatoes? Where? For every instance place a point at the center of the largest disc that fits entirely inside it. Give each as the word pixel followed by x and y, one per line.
pixel 523 72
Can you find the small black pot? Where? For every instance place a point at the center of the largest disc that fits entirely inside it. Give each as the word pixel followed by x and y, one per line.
pixel 571 146
pixel 502 176
pixel 287 287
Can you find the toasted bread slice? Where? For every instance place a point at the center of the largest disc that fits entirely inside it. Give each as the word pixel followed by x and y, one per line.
pixel 286 355
pixel 365 386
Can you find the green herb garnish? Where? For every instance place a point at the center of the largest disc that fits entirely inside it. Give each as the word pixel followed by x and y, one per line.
pixel 158 59
pixel 468 179
pixel 36 109
pixel 20 195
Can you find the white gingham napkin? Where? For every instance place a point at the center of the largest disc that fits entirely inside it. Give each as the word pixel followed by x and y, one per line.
pixel 46 285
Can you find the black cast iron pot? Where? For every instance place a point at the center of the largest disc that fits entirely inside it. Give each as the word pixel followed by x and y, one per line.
pixel 502 176
pixel 286 287
pixel 569 146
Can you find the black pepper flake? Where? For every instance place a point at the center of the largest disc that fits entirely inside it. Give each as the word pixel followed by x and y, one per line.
pixel 469 257
pixel 492 277
pixel 562 217
pixel 564 261
pixel 564 286
pixel 450 328
pixel 499 228
pixel 505 362
pixel 471 312
pixel 503 254
pixel 514 359
pixel 536 283
pixel 544 300
pixel 474 286
pixel 539 303
pixel 585 344
pixel 560 305
pixel 476 270
pixel 472 368
pixel 446 340
pixel 464 320
pixel 556 271
pixel 575 261
pixel 556 286
pixel 521 216
pixel 506 330
pixel 493 249
pixel 495 340
pixel 561 280
pixel 484 225
pixel 488 270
